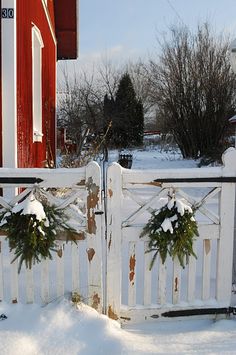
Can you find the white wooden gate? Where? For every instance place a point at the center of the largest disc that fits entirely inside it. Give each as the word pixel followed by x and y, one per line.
pixel 76 268
pixel 134 292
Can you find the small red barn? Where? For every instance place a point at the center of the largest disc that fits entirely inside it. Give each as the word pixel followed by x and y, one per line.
pixel 34 35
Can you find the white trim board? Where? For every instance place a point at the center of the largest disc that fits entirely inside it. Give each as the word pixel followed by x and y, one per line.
pixel 9 88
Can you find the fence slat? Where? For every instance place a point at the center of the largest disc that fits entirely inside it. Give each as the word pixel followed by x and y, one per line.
pixel 94 238
pixel 132 275
pixel 1 273
pixel 60 274
pixel 176 283
pixel 147 299
pixel 161 298
pixel 14 279
pixel 225 243
pixel 114 197
pixel 45 281
pixel 29 278
pixel 206 269
pixel 75 267
pixel 191 278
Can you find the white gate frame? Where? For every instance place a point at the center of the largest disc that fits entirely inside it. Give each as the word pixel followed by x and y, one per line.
pixel 222 229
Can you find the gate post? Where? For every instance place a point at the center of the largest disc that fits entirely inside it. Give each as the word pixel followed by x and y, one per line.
pixel 94 238
pixel 225 243
pixel 114 266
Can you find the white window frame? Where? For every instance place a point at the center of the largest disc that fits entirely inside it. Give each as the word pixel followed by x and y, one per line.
pixel 37 46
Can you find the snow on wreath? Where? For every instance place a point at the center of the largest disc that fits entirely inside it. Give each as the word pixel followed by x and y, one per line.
pixel 171 230
pixel 31 227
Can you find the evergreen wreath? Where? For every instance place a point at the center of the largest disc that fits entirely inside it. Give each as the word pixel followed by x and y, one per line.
pixel 171 230
pixel 31 227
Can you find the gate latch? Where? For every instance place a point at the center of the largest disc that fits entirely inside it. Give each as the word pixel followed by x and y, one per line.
pixel 98 212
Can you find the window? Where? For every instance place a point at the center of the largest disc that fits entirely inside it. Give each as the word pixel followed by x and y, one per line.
pixel 37 45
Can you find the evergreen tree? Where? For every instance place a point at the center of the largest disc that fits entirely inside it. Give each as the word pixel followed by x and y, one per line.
pixel 127 115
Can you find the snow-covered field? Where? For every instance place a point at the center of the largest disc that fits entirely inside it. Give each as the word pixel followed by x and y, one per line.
pixel 63 328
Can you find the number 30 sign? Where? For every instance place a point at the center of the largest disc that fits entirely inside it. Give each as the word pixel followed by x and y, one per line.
pixel 7 13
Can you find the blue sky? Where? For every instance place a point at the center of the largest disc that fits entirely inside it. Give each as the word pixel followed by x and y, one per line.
pixel 126 29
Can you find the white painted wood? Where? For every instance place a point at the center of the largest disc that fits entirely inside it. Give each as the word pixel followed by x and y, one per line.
pixel 37 46
pixel 75 267
pixel 9 87
pixel 114 198
pixel 132 233
pixel 204 210
pixel 225 243
pixel 60 273
pixel 191 278
pixel 147 299
pixel 29 278
pixel 1 274
pixel 132 275
pixel 206 269
pixel 176 282
pixel 142 209
pixel 140 178
pixel 153 314
pixel 14 279
pixel 74 178
pixel 47 14
pixel 45 281
pixel 161 292
pixel 93 236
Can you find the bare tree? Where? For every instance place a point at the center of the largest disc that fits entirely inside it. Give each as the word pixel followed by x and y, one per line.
pixel 79 108
pixel 194 88
pixel 81 105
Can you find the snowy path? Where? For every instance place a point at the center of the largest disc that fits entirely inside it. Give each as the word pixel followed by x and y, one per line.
pixel 60 328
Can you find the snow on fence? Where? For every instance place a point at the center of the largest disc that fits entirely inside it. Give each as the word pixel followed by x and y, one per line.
pixel 134 292
pixel 75 268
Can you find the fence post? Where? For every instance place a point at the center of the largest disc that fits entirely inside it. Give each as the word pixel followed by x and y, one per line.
pixel 94 248
pixel 114 196
pixel 225 243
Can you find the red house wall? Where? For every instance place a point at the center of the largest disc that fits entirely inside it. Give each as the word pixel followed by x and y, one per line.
pixel 0 90
pixel 34 154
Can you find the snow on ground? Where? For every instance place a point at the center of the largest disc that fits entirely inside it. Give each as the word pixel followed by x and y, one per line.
pixel 63 328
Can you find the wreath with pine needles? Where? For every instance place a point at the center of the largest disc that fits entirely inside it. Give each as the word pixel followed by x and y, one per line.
pixel 32 234
pixel 171 230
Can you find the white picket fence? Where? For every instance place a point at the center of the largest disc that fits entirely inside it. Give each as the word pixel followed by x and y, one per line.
pixel 117 281
pixel 134 292
pixel 78 269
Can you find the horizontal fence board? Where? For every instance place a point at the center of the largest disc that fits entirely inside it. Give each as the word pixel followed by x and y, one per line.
pixel 206 231
pixel 50 177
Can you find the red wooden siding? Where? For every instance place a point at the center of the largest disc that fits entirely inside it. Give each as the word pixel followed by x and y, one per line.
pixel 1 89
pixel 34 154
pixel 66 28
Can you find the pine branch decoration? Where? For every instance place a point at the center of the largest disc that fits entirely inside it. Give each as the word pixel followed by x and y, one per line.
pixel 172 230
pixel 32 238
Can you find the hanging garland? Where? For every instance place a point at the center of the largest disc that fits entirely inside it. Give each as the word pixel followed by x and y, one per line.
pixel 31 227
pixel 171 230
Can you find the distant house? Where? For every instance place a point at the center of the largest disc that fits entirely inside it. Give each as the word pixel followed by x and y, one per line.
pixel 34 35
